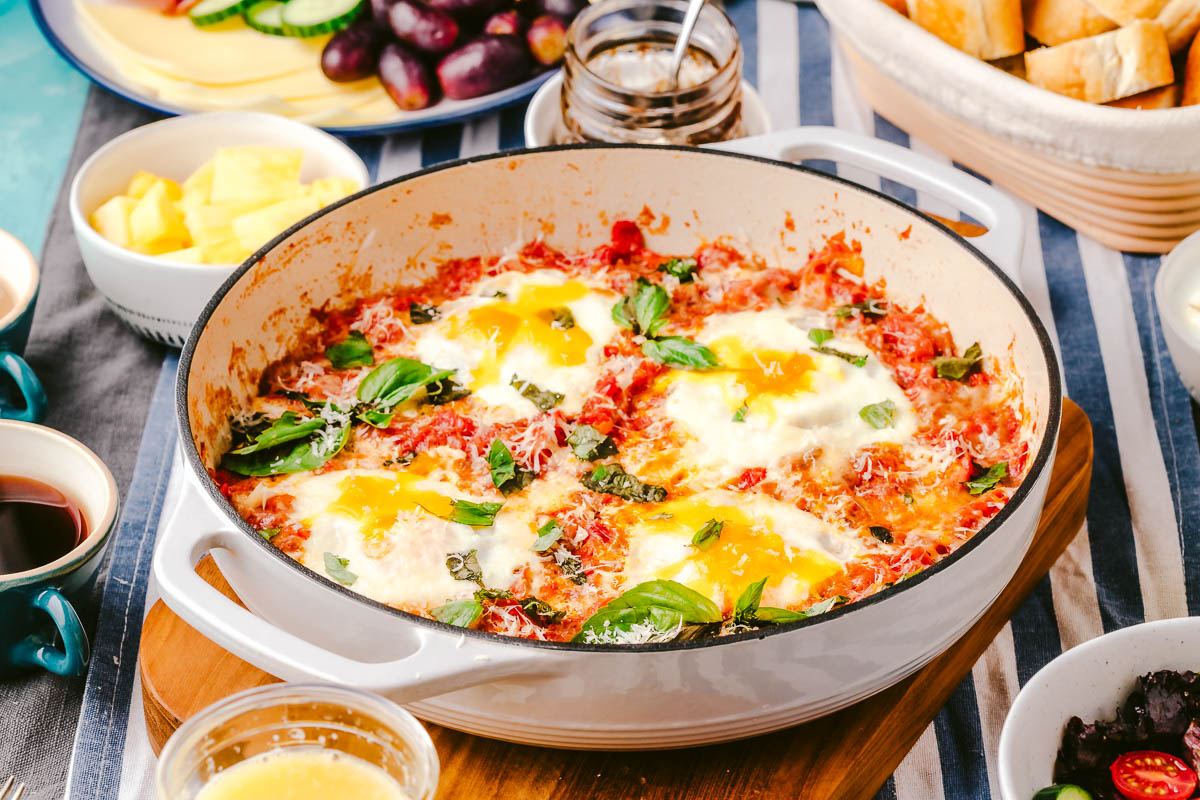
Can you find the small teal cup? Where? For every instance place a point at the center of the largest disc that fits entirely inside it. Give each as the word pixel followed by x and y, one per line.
pixel 18 295
pixel 39 627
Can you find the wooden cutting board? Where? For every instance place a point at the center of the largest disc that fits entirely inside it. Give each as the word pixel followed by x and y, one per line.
pixel 845 756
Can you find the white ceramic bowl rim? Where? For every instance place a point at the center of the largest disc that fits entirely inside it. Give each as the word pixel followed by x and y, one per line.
pixel 1042 460
pixel 1169 306
pixel 93 162
pixel 11 244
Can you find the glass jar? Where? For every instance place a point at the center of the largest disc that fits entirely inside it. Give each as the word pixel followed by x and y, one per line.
pixel 615 83
pixel 287 715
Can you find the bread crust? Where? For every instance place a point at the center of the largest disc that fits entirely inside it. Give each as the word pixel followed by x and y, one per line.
pixel 1155 99
pixel 986 29
pixel 1112 65
pixel 1054 22
pixel 899 6
pixel 1126 12
pixel 1191 76
pixel 1181 20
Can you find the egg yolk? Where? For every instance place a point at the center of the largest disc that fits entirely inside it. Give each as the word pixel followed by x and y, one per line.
pixel 376 501
pixel 756 377
pixel 528 319
pixel 745 551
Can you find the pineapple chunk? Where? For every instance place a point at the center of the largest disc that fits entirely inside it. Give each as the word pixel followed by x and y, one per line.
pixel 197 189
pixel 330 190
pixel 141 182
pixel 155 225
pixel 189 255
pixel 225 251
pixel 255 176
pixel 111 220
pixel 257 228
pixel 209 224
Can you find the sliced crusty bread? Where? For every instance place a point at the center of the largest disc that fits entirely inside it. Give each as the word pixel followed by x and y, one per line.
pixel 899 6
pixel 1165 97
pixel 1191 76
pixel 1110 66
pixel 1053 22
pixel 986 29
pixel 1181 20
pixel 1126 11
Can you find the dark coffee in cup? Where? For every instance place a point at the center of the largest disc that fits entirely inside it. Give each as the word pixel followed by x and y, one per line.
pixel 38 524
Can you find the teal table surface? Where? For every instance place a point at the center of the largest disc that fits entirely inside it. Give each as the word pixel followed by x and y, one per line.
pixel 39 116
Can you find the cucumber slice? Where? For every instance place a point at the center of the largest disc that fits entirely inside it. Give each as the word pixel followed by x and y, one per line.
pixel 210 12
pixel 315 17
pixel 266 16
pixel 1062 791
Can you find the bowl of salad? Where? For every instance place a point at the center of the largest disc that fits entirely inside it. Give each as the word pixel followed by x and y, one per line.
pixel 1116 717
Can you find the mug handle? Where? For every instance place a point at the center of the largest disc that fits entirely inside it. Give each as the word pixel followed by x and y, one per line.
pixel 30 386
pixel 35 651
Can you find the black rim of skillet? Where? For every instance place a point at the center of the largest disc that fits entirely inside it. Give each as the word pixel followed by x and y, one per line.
pixel 1040 463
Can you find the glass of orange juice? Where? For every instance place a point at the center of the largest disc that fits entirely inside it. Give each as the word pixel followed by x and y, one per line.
pixel 297 741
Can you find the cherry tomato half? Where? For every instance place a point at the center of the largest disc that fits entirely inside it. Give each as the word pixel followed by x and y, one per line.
pixel 1149 775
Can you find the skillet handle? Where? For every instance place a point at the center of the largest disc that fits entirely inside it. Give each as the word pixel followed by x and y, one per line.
pixel 996 211
pixel 441 661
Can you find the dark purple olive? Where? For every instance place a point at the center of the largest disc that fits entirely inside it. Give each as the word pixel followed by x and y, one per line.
pixel 408 80
pixel 563 9
pixel 468 10
pixel 352 54
pixel 505 23
pixel 547 39
pixel 425 28
pixel 484 65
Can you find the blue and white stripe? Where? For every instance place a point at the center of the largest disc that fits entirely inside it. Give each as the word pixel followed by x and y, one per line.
pixel 1136 558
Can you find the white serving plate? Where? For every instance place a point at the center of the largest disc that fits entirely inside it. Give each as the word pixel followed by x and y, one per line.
pixel 59 23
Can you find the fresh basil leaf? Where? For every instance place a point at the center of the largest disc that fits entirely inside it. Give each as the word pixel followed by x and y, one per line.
pixel 684 269
pixel 542 398
pixel 335 567
pixel 631 626
pixel 680 351
pixel 589 444
pixel 548 535
pixel 879 415
pixel 507 475
pixel 959 368
pixel 692 606
pixel 985 479
pixel 297 456
pixel 858 361
pixel 613 479
pixel 740 414
pixel 561 318
pixel 541 612
pixel 768 615
pixel 397 380
pixel 820 335
pixel 465 566
pixel 643 308
pixel 289 427
pixel 445 391
pixel 422 314
pixel 376 419
pixel 353 351
pixel 477 515
pixel 882 534
pixel 460 613
pixel 747 602
pixel 708 534
pixel 269 533
pixel 493 594
pixel 873 308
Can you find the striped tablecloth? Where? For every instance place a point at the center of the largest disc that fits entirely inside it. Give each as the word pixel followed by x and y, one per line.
pixel 1136 559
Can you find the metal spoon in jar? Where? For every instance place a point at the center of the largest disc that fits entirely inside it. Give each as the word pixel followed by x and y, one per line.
pixel 685 37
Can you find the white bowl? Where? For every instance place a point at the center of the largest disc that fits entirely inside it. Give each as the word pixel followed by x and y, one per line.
pixel 1089 681
pixel 545 111
pixel 1178 283
pixel 157 297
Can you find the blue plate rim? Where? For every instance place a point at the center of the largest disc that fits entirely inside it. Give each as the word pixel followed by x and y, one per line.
pixel 501 99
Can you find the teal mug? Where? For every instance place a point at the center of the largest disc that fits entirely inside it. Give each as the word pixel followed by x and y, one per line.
pixel 39 626
pixel 18 294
